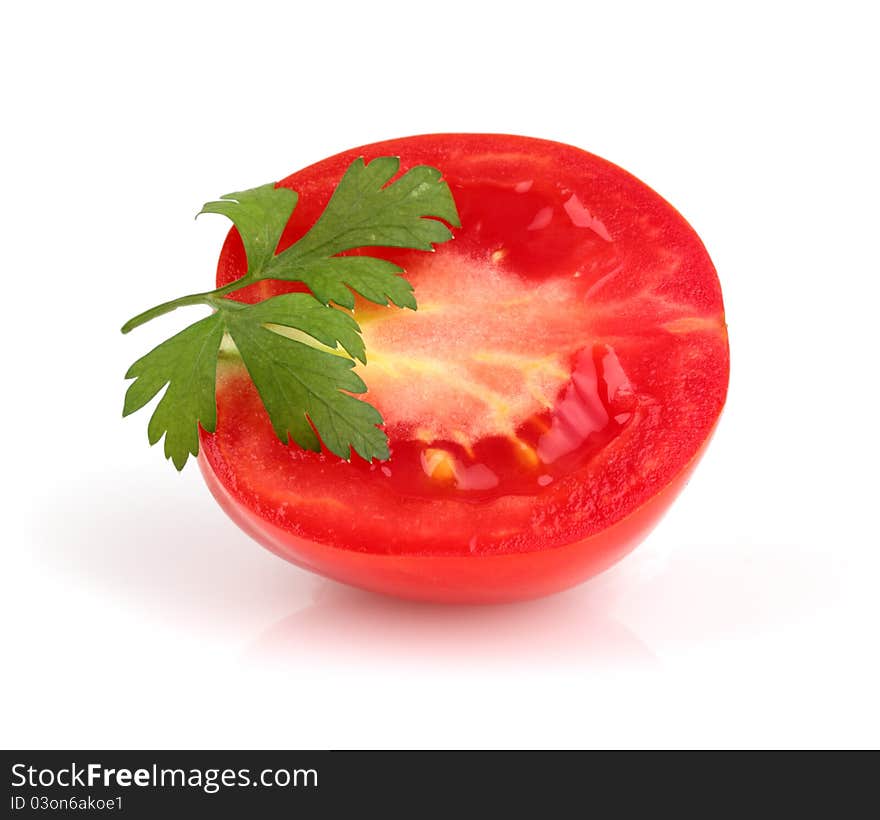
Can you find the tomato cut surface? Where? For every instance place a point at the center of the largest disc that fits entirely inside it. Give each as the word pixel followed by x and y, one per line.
pixel 565 368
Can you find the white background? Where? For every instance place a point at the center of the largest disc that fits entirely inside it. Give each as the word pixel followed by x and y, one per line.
pixel 136 615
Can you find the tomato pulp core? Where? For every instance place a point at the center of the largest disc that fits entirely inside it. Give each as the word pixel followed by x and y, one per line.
pixel 568 358
pixel 496 385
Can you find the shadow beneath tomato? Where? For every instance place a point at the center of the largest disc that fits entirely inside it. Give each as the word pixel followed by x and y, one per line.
pixel 347 624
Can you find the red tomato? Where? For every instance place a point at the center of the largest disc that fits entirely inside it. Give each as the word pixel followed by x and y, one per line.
pixel 544 406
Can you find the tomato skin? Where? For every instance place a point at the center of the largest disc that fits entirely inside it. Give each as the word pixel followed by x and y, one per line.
pixel 476 579
pixel 510 547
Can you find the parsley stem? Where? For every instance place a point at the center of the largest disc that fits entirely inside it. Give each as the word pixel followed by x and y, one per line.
pixel 209 297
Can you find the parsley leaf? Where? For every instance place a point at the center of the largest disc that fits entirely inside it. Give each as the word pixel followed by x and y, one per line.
pixel 290 343
pixel 375 279
pixel 187 363
pixel 260 215
pixel 298 381
pixel 300 384
pixel 365 211
pixel 303 312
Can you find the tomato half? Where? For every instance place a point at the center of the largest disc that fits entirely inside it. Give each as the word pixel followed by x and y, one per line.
pixel 566 366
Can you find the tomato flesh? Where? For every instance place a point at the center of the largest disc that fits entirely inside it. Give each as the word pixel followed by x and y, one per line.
pixel 566 366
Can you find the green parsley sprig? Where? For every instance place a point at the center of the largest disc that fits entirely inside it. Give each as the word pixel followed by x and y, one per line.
pixel 308 391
